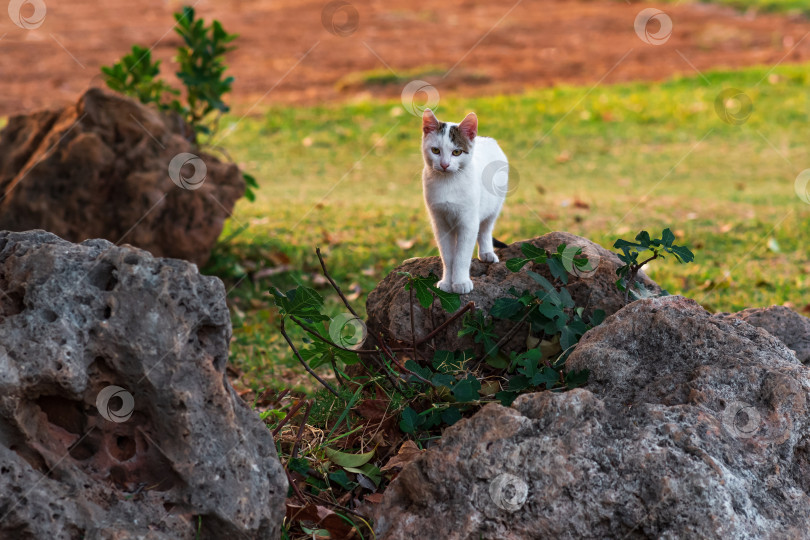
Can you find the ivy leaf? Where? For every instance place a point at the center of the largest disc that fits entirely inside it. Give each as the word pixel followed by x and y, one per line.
pixel 451 415
pixel 443 361
pixel 565 296
pixel 598 317
pixel 299 465
pixel 339 477
pixel 432 418
pixel 319 353
pixel 505 308
pixel 557 269
pixel 667 238
pixel 546 376
pixel 575 379
pixel 643 238
pixel 683 254
pixel 443 379
pixel 516 264
pixel 302 302
pixel 498 361
pixel 505 397
pixel 423 372
pixel 533 252
pixel 450 301
pixel 518 383
pixel 409 420
pixel 625 246
pixel 567 337
pixel 467 389
pixel 546 284
pixel 550 311
pixel 422 292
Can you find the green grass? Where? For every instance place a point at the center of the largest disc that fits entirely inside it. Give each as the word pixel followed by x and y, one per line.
pixel 780 6
pixel 640 156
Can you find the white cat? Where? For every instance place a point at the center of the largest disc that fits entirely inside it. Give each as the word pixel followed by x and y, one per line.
pixel 462 197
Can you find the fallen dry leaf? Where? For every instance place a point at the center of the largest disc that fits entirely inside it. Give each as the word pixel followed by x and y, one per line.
pixel 373 498
pixel 408 453
pixel 372 409
pixel 321 516
pixel 581 204
pixel 563 157
pixel 406 244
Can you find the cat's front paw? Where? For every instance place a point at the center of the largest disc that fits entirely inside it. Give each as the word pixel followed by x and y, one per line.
pixel 445 285
pixel 488 257
pixel 463 287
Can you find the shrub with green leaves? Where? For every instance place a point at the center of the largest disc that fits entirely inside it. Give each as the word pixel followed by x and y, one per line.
pixel 136 75
pixel 655 249
pixel 201 69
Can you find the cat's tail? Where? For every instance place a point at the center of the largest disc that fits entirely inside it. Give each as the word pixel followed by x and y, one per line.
pixel 497 243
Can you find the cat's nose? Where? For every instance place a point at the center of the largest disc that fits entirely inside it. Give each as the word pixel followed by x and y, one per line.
pixel 445 165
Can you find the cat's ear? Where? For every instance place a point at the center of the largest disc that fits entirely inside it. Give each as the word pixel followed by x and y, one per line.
pixel 469 126
pixel 429 122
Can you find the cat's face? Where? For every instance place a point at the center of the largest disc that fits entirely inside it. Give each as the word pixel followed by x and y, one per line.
pixel 448 147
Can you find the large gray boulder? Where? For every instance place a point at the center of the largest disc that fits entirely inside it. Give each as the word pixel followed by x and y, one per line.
pixel 116 418
pixel 389 304
pixel 690 427
pixel 791 328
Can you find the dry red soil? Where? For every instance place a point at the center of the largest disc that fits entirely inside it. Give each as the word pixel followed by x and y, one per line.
pixel 286 54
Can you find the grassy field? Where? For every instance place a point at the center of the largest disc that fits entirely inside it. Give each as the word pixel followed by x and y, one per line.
pixel 782 6
pixel 600 162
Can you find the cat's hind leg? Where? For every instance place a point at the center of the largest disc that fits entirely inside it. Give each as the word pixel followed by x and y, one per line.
pixel 486 252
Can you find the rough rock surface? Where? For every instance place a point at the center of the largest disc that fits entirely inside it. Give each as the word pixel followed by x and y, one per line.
pixel 99 169
pixel 388 305
pixel 690 426
pixel 75 319
pixel 782 322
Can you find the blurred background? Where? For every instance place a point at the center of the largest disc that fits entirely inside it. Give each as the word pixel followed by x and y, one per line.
pixel 616 117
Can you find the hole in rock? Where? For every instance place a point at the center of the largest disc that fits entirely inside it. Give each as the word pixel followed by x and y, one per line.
pixel 102 276
pixel 62 412
pixel 12 302
pixel 84 450
pixel 124 448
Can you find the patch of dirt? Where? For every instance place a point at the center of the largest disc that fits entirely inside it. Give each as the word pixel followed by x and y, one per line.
pixel 286 54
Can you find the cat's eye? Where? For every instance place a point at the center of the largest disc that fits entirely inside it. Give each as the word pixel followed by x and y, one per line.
pixel 456 152
pixel 435 150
